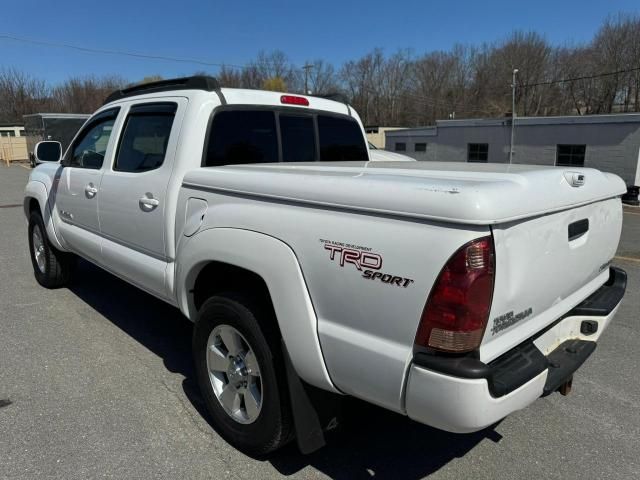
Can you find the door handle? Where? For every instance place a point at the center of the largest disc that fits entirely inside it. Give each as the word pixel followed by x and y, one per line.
pixel 90 191
pixel 148 203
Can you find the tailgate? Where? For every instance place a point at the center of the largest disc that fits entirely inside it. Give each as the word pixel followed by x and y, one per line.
pixel 545 266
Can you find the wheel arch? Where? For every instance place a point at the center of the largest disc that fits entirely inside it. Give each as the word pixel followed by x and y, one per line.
pixel 228 257
pixel 36 198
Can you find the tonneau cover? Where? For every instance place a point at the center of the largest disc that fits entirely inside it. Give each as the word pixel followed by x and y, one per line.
pixel 480 194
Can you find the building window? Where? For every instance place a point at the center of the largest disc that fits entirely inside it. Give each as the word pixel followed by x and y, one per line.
pixel 401 147
pixel 478 152
pixel 7 133
pixel 570 155
pixel 420 147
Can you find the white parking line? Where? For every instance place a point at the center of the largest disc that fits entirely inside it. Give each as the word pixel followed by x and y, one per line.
pixel 627 259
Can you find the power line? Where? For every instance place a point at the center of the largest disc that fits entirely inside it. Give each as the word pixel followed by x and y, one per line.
pixel 121 52
pixel 585 77
pixel 428 101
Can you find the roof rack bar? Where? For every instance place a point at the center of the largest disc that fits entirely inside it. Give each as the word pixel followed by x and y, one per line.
pixel 198 82
pixel 335 96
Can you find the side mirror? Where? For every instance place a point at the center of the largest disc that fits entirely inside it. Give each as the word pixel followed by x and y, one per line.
pixel 48 151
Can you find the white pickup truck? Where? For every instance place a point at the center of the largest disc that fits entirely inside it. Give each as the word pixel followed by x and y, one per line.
pixel 451 293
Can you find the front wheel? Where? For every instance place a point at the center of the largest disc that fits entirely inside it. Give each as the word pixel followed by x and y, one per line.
pixel 51 267
pixel 241 374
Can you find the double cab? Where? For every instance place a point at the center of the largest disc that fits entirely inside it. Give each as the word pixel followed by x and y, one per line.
pixel 452 293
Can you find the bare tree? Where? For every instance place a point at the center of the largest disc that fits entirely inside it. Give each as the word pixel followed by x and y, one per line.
pixel 84 95
pixel 322 77
pixel 229 77
pixel 21 94
pixel 600 76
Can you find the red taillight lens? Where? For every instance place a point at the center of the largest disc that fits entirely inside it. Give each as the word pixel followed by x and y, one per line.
pixel 457 310
pixel 294 100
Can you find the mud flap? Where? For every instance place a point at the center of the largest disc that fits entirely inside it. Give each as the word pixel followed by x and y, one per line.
pixel 314 411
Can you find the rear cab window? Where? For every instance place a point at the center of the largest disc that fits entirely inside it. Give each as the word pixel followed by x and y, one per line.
pixel 340 139
pixel 271 135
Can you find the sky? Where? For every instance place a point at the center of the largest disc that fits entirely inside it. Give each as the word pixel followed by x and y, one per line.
pixel 233 32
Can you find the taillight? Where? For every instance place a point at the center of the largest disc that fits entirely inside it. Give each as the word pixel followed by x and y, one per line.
pixel 457 310
pixel 294 100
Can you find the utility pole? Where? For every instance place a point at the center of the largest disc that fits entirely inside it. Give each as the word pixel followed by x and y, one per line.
pixel 513 112
pixel 306 67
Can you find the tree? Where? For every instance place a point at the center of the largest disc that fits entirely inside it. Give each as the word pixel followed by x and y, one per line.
pixel 20 94
pixel 84 95
pixel 275 84
pixel 150 78
pixel 322 78
pixel 403 89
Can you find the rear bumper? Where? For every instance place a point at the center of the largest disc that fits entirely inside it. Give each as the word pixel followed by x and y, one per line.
pixel 465 395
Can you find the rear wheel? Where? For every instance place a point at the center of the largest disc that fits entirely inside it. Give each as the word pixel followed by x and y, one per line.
pixel 241 374
pixel 51 267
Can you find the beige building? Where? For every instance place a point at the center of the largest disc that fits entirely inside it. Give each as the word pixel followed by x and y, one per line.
pixel 13 143
pixel 376 135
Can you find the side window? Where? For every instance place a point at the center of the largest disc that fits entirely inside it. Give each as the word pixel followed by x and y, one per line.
pixel 90 146
pixel 242 136
pixel 570 155
pixel 298 138
pixel 144 139
pixel 341 139
pixel 477 152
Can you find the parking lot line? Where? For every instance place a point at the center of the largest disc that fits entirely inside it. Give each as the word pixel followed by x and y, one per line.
pixel 627 259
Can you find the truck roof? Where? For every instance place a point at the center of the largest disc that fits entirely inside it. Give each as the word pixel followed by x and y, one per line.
pixel 331 102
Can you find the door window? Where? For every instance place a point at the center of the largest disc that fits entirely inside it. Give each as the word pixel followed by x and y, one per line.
pixel 90 146
pixel 144 139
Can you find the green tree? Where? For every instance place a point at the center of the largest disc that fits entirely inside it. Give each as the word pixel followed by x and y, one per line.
pixel 275 84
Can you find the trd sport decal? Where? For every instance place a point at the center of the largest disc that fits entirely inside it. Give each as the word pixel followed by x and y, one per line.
pixel 364 260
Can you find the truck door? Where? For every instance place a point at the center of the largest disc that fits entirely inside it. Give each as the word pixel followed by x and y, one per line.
pixel 79 184
pixel 133 206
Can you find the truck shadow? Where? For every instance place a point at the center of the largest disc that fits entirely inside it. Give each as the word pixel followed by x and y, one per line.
pixel 377 443
pixel 370 442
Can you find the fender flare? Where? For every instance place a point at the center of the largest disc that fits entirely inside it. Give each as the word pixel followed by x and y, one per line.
pixel 276 263
pixel 38 191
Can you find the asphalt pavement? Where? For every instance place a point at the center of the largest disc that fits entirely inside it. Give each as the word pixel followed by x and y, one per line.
pixel 96 381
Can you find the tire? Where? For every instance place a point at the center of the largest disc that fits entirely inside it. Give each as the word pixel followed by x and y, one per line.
pixel 51 267
pixel 256 434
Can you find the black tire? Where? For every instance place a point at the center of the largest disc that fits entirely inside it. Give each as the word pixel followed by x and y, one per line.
pixel 273 426
pixel 57 265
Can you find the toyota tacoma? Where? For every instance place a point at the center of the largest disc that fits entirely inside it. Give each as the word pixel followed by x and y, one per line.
pixel 451 293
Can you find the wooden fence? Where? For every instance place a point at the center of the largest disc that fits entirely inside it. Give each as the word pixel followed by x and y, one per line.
pixel 13 149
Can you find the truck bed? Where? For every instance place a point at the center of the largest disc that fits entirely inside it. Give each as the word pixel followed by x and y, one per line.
pixel 477 194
